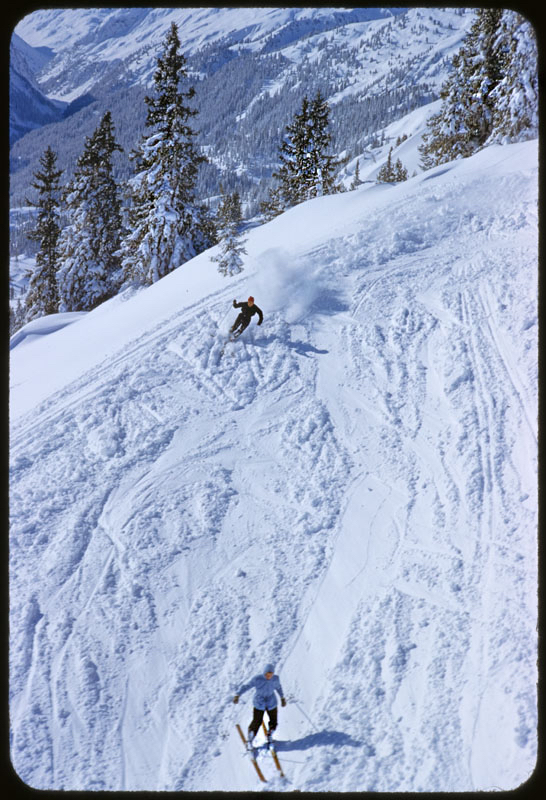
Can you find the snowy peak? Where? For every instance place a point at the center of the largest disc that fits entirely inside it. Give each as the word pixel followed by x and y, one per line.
pixel 79 36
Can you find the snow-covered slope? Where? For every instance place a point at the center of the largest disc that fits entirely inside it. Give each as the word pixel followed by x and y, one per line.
pixel 43 326
pixel 349 491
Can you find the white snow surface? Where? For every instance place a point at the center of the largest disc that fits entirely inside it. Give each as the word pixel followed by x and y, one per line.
pixel 349 491
pixel 43 326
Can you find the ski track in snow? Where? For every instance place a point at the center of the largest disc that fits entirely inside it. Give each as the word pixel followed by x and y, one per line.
pixel 348 496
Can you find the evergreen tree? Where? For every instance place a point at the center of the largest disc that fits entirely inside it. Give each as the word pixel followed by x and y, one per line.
pixel 322 164
pixel 273 206
pixel 167 227
pixel 400 172
pixel 89 245
pixel 306 168
pixel 231 245
pixel 206 231
pixel 294 156
pixel 390 173
pixel 515 98
pixel 483 74
pixel 386 173
pixel 17 318
pixel 356 182
pixel 42 296
pixel 491 93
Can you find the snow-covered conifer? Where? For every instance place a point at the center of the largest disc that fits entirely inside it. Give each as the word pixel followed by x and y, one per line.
pixel 306 168
pixel 294 157
pixel 166 224
pixel 323 164
pixel 400 172
pixel 42 297
pixel 491 93
pixel 392 173
pixel 356 182
pixel 17 317
pixel 206 231
pixel 89 244
pixel 515 98
pixel 273 206
pixel 231 244
pixel 386 173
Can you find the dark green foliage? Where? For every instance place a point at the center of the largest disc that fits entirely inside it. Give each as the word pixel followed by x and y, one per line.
pixel 17 318
pixel 400 172
pixel 491 93
pixel 392 173
pixel 356 182
pixel 322 163
pixel 206 231
pixel 43 297
pixel 167 227
pixel 89 243
pixel 306 168
pixel 386 173
pixel 515 98
pixel 273 206
pixel 231 244
pixel 294 173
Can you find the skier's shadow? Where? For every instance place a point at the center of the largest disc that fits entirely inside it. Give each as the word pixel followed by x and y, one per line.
pixel 304 348
pixel 320 739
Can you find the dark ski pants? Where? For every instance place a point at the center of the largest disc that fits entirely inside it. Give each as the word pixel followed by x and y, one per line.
pixel 240 321
pixel 259 715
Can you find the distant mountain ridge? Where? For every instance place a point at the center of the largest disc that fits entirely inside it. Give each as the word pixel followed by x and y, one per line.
pixel 30 108
pixel 78 36
pixel 250 69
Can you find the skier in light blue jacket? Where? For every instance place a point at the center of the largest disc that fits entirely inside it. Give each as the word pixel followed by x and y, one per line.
pixel 265 685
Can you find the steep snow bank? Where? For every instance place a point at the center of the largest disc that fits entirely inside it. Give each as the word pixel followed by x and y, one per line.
pixel 43 327
pixel 349 491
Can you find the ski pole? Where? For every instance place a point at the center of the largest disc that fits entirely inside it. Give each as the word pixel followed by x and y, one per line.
pixel 296 703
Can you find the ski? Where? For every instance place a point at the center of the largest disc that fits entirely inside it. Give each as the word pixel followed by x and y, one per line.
pixel 273 751
pixel 230 338
pixel 226 341
pixel 252 754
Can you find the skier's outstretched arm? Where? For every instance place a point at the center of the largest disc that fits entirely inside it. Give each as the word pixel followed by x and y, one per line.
pixel 244 688
pixel 260 314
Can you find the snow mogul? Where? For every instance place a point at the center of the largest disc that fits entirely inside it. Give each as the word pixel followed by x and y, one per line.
pixel 265 685
pixel 248 309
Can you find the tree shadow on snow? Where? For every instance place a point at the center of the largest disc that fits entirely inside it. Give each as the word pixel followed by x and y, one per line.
pixel 320 739
pixel 436 174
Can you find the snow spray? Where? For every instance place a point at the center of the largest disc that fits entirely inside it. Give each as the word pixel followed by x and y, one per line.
pixel 284 283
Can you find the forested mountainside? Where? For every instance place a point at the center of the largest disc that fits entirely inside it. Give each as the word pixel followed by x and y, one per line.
pixel 248 84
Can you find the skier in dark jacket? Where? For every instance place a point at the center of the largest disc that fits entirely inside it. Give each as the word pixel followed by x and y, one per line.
pixel 265 685
pixel 248 309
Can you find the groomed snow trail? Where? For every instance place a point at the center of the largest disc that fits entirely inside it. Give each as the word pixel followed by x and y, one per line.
pixel 349 491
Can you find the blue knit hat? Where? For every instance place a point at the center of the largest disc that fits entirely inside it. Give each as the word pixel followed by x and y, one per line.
pixel 269 668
